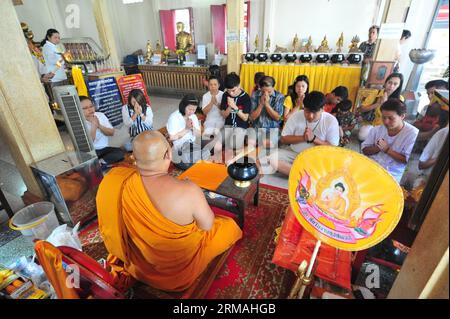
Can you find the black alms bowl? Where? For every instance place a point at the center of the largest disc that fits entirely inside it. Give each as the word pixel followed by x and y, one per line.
pixel 304 58
pixel 276 57
pixel 337 58
pixel 244 169
pixel 322 58
pixel 290 57
pixel 354 58
pixel 250 57
pixel 262 57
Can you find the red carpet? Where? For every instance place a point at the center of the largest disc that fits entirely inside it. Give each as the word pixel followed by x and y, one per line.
pixel 248 271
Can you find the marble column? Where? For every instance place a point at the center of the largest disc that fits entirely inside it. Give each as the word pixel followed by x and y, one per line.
pixel 105 31
pixel 235 24
pixel 26 121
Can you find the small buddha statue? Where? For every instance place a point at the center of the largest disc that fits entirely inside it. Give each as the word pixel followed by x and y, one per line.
pixel 309 45
pixel 166 53
pixel 256 43
pixel 340 43
pixel 268 44
pixel 323 46
pixel 183 38
pixel 149 54
pixel 354 44
pixel 158 47
pixel 295 44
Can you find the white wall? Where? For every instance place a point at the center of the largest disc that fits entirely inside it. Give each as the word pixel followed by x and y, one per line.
pixel 41 15
pixel 318 18
pixel 133 25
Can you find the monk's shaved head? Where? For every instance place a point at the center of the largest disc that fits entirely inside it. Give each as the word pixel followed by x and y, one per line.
pixel 149 150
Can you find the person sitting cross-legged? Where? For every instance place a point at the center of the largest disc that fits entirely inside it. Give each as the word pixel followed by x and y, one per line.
pixel 99 129
pixel 304 129
pixel 157 228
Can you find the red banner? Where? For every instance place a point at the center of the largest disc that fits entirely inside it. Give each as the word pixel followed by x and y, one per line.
pixel 130 82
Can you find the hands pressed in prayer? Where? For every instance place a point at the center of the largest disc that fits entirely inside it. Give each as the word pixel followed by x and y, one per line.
pixel 138 109
pixel 382 145
pixel 309 134
pixel 266 99
pixel 232 104
pixel 214 99
pixel 94 121
pixel 189 124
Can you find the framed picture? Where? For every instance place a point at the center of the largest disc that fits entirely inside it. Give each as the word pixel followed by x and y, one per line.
pixel 156 58
pixel 379 71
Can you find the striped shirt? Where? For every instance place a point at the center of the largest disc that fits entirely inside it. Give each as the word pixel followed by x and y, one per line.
pixel 138 125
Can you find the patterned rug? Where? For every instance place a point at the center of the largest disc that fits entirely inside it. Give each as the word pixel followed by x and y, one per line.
pixel 248 271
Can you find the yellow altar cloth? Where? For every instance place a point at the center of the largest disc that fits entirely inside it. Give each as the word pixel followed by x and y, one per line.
pixel 323 78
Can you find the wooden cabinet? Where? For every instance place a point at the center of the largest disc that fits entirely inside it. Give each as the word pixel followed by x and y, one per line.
pixel 176 79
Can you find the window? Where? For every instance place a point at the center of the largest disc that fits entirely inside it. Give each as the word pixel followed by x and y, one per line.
pixel 438 41
pixel 183 15
pixel 131 1
pixel 169 19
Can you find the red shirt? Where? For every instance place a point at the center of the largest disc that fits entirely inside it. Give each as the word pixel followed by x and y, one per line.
pixel 328 107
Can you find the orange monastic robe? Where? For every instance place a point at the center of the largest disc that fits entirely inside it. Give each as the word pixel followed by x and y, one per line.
pixel 154 249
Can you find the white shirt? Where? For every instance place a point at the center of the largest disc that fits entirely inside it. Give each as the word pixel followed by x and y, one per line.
pixel 214 119
pixel 101 140
pixel 49 51
pixel 325 129
pixel 176 124
pixel 433 148
pixel 127 119
pixel 401 143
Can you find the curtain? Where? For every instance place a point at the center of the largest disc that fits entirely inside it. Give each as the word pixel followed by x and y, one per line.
pixel 167 18
pixel 218 26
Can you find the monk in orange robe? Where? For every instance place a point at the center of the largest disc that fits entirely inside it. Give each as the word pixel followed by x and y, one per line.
pixel 161 228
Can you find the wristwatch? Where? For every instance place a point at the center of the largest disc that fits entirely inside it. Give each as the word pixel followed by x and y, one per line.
pixel 313 139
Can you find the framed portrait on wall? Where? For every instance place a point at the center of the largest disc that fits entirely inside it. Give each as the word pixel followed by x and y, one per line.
pixel 379 71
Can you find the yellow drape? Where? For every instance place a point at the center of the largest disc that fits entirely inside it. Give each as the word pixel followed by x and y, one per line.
pixel 78 81
pixel 323 78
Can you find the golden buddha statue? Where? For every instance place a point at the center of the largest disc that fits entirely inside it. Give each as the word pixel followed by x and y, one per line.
pixel 256 43
pixel 158 47
pixel 354 44
pixel 183 38
pixel 149 54
pixel 268 44
pixel 309 46
pixel 340 43
pixel 324 46
pixel 295 47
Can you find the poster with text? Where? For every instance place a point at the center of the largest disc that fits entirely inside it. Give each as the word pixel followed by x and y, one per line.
pixel 106 97
pixel 129 82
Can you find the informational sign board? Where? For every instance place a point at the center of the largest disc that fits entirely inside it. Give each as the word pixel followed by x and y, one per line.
pixel 343 198
pixel 391 31
pixel 129 82
pixel 107 99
